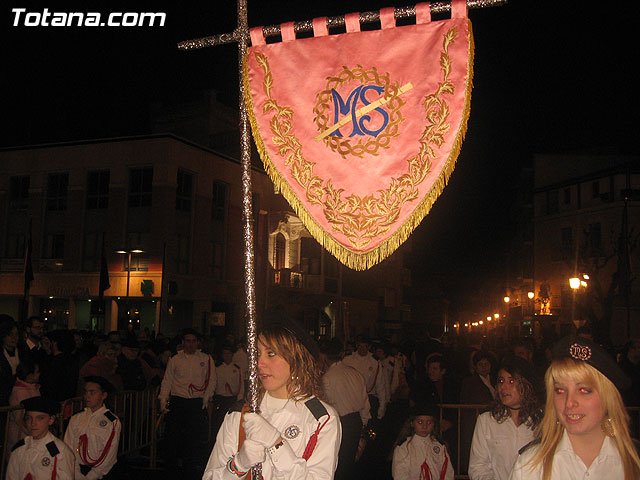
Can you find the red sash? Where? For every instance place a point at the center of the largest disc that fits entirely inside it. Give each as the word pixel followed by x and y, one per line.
pixel 83 448
pixel 193 388
pixel 425 472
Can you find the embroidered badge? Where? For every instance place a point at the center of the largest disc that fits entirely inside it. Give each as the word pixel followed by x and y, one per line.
pixel 291 432
pixel 103 423
pixel 45 461
pixel 436 449
pixel 580 352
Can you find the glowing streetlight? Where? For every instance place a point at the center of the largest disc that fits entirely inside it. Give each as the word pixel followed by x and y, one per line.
pixel 489 318
pixel 128 254
pixel 574 282
pixel 506 299
pixel 531 295
pixel 496 316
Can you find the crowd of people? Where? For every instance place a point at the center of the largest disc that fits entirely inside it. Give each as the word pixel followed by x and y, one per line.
pixel 329 409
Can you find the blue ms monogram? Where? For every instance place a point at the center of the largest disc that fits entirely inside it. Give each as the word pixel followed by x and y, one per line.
pixel 350 107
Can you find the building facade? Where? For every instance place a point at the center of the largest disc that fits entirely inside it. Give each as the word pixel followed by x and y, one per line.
pixel 166 215
pixel 587 227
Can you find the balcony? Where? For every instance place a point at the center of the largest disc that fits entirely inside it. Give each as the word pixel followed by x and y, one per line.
pixel 288 278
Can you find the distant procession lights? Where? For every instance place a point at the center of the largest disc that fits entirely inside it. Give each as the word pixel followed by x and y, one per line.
pixel 489 318
pixel 496 316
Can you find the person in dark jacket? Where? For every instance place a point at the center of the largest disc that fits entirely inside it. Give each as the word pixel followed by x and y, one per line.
pixel 130 366
pixel 59 377
pixel 9 356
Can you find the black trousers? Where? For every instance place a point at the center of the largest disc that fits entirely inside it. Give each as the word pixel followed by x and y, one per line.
pixel 187 424
pixel 351 430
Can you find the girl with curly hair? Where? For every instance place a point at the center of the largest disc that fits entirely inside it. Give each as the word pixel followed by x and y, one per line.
pixel 509 424
pixel 585 429
pixel 295 435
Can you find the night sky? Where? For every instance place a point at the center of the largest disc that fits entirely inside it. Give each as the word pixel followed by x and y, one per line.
pixel 550 76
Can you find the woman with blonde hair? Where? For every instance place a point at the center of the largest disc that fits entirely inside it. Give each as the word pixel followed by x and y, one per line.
pixel 295 435
pixel 584 432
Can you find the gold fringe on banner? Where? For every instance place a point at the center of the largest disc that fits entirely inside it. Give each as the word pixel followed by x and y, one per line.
pixel 357 260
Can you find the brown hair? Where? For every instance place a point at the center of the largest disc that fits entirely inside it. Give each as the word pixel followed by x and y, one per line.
pixel 530 412
pixel 305 379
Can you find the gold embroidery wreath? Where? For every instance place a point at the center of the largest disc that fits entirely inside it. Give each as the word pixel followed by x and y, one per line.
pixel 361 219
pixel 369 145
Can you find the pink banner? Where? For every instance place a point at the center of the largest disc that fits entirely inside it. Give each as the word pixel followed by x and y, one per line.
pixel 360 131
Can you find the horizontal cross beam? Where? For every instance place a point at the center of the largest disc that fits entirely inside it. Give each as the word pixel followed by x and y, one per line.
pixel 307 25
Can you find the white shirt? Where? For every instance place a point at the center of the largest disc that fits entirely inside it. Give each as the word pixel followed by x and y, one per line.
pixel 230 382
pixel 296 424
pixel 399 367
pixel 388 365
pixel 186 376
pixel 495 446
pixel 35 458
pixel 241 359
pixel 345 390
pixel 410 455
pixel 98 427
pixel 371 370
pixel 567 465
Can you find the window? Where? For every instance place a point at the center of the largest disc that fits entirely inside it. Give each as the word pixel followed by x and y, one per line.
pixel 92 251
pixel 98 189
pixel 140 186
pixel 53 245
pixel 553 202
pixel 217 260
pixel 219 202
pixel 567 238
pixel 182 255
pixel 57 184
pixel 279 252
pixel 139 261
pixel 16 244
pixel 184 191
pixel 595 239
pixel 19 193
pixel 595 189
pixel 310 252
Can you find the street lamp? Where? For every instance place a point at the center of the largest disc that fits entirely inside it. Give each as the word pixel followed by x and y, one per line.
pixel 128 253
pixel 531 295
pixel 574 283
pixel 506 299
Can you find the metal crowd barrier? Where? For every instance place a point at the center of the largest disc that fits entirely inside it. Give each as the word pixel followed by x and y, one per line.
pixel 137 411
pixel 475 410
